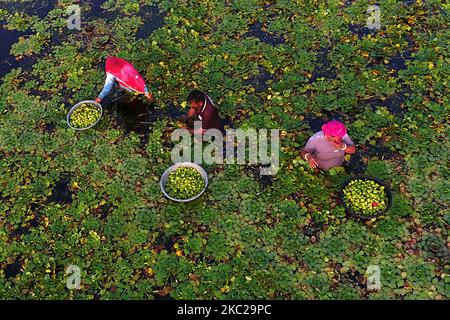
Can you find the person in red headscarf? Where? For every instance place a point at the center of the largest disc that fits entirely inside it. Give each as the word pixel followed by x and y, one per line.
pixel 123 72
pixel 327 148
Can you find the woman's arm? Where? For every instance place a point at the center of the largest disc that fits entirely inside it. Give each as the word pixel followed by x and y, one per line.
pixel 303 153
pixel 109 83
pixel 308 156
pixel 349 145
pixel 148 94
pixel 191 113
pixel 307 153
pixel 350 149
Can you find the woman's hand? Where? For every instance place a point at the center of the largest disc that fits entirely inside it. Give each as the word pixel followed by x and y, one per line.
pixel 98 100
pixel 149 96
pixel 312 162
pixel 340 145
pixel 344 147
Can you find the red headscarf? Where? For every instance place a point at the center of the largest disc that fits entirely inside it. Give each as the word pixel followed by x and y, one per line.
pixel 125 73
pixel 334 128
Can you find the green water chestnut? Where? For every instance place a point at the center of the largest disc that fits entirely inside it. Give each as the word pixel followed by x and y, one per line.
pixel 184 183
pixel 365 197
pixel 84 116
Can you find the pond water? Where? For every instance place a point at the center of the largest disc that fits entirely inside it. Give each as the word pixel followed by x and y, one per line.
pixel 151 16
pixel 12 269
pixel 7 61
pixel 9 37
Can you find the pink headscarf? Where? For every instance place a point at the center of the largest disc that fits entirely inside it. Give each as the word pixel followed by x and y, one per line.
pixel 125 73
pixel 334 128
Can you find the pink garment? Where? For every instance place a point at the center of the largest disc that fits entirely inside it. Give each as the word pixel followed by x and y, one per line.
pixel 126 74
pixel 334 128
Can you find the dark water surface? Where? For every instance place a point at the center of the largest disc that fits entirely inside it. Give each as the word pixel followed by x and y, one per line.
pixel 9 37
pixel 152 18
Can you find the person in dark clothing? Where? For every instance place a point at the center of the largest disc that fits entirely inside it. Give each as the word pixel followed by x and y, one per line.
pixel 202 107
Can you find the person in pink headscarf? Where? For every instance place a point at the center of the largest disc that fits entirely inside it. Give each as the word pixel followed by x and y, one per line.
pixel 327 148
pixel 123 72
